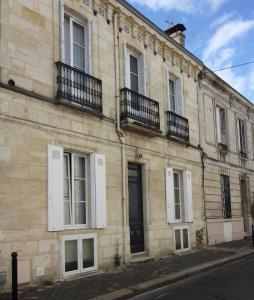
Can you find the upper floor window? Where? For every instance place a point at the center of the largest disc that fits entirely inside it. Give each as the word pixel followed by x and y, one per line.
pixel 135 71
pixel 175 97
pixel 221 125
pixel 241 130
pixel 75 52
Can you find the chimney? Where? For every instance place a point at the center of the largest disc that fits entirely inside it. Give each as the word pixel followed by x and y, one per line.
pixel 176 33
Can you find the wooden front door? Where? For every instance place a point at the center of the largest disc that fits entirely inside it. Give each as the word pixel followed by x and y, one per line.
pixel 135 208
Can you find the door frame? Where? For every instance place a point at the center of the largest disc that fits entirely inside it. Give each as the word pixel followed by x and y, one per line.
pixel 246 217
pixel 143 196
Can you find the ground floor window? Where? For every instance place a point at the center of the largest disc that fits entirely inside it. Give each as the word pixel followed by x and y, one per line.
pixel 225 197
pixel 79 253
pixel 181 238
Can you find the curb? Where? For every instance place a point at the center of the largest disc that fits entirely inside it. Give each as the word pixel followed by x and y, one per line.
pixel 170 278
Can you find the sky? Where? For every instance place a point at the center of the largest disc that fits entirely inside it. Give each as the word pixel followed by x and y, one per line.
pixel 219 32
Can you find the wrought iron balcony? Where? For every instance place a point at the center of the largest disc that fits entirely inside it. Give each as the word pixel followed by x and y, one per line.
pixel 78 89
pixel 139 109
pixel 178 127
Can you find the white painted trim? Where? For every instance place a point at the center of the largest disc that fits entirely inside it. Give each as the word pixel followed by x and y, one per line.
pixel 181 227
pixel 79 238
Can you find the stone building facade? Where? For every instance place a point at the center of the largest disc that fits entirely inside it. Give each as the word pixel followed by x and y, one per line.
pixel 102 145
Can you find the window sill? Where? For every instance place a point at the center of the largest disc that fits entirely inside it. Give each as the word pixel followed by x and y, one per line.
pixel 72 227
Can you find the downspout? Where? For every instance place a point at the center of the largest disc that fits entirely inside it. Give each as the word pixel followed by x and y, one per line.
pixel 203 156
pixel 119 131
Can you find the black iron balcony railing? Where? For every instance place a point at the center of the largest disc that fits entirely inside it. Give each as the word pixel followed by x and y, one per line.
pixel 79 88
pixel 178 127
pixel 139 108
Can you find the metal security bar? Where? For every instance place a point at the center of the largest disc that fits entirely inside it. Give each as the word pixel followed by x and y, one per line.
pixel 79 88
pixel 139 108
pixel 178 126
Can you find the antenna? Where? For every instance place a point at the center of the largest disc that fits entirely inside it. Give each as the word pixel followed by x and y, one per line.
pixel 169 21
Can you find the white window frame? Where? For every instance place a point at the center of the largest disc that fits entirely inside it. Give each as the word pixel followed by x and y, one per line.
pixel 244 137
pixel 137 56
pixel 172 78
pixel 79 239
pixel 85 25
pixel 181 236
pixel 87 183
pixel 218 108
pixel 181 195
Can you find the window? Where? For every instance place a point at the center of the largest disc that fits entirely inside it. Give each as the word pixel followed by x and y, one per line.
pixel 178 193
pixel 175 100
pixel 135 71
pixel 221 127
pixel 241 138
pixel 225 197
pixel 79 253
pixel 70 191
pixel 75 43
pixel 75 189
pixel 181 237
pixel 178 196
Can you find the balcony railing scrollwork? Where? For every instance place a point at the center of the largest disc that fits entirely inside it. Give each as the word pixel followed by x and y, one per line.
pixel 77 88
pixel 140 109
pixel 178 127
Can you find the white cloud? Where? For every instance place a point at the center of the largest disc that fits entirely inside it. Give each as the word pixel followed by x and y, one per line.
pixel 222 19
pixel 186 6
pixel 229 31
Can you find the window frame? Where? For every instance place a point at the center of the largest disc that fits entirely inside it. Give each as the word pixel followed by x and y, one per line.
pixel 181 195
pixel 173 80
pixel 72 155
pixel 244 136
pixel 218 109
pixel 79 238
pixel 178 94
pixel 181 228
pixel 138 57
pixel 85 25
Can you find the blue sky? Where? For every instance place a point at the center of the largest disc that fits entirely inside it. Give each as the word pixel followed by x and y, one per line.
pixel 220 32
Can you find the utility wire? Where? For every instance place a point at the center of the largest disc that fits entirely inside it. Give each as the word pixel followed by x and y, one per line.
pixel 235 66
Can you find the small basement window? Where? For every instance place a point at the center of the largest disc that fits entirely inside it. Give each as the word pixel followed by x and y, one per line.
pixel 181 238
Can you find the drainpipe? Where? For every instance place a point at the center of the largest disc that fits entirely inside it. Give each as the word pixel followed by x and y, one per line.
pixel 203 156
pixel 119 131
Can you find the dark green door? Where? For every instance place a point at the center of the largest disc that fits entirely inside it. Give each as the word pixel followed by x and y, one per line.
pixel 135 208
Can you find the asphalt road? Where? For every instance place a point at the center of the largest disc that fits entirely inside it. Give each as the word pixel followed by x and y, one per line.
pixel 233 281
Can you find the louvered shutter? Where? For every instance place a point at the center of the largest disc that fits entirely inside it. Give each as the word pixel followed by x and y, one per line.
pixel 142 74
pixel 179 97
pixel 187 184
pixel 55 188
pixel 239 135
pixel 218 124
pixel 170 198
pixel 98 191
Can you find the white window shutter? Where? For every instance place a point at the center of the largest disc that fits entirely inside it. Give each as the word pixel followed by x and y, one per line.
pixel 142 74
pixel 218 124
pixel 98 190
pixel 55 188
pixel 179 97
pixel 239 134
pixel 187 184
pixel 126 67
pixel 170 198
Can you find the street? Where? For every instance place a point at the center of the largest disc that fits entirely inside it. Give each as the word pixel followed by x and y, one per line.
pixel 233 281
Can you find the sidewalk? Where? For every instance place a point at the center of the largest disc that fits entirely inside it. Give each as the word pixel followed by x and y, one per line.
pixel 135 278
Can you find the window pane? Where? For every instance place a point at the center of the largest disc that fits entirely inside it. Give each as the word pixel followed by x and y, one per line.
pixel 176 180
pixel 71 255
pixel 80 212
pixel 79 190
pixel 172 95
pixel 177 211
pixel 78 34
pixel 185 239
pixel 134 83
pixel 78 57
pixel 88 253
pixel 178 239
pixel 79 167
pixel 133 65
